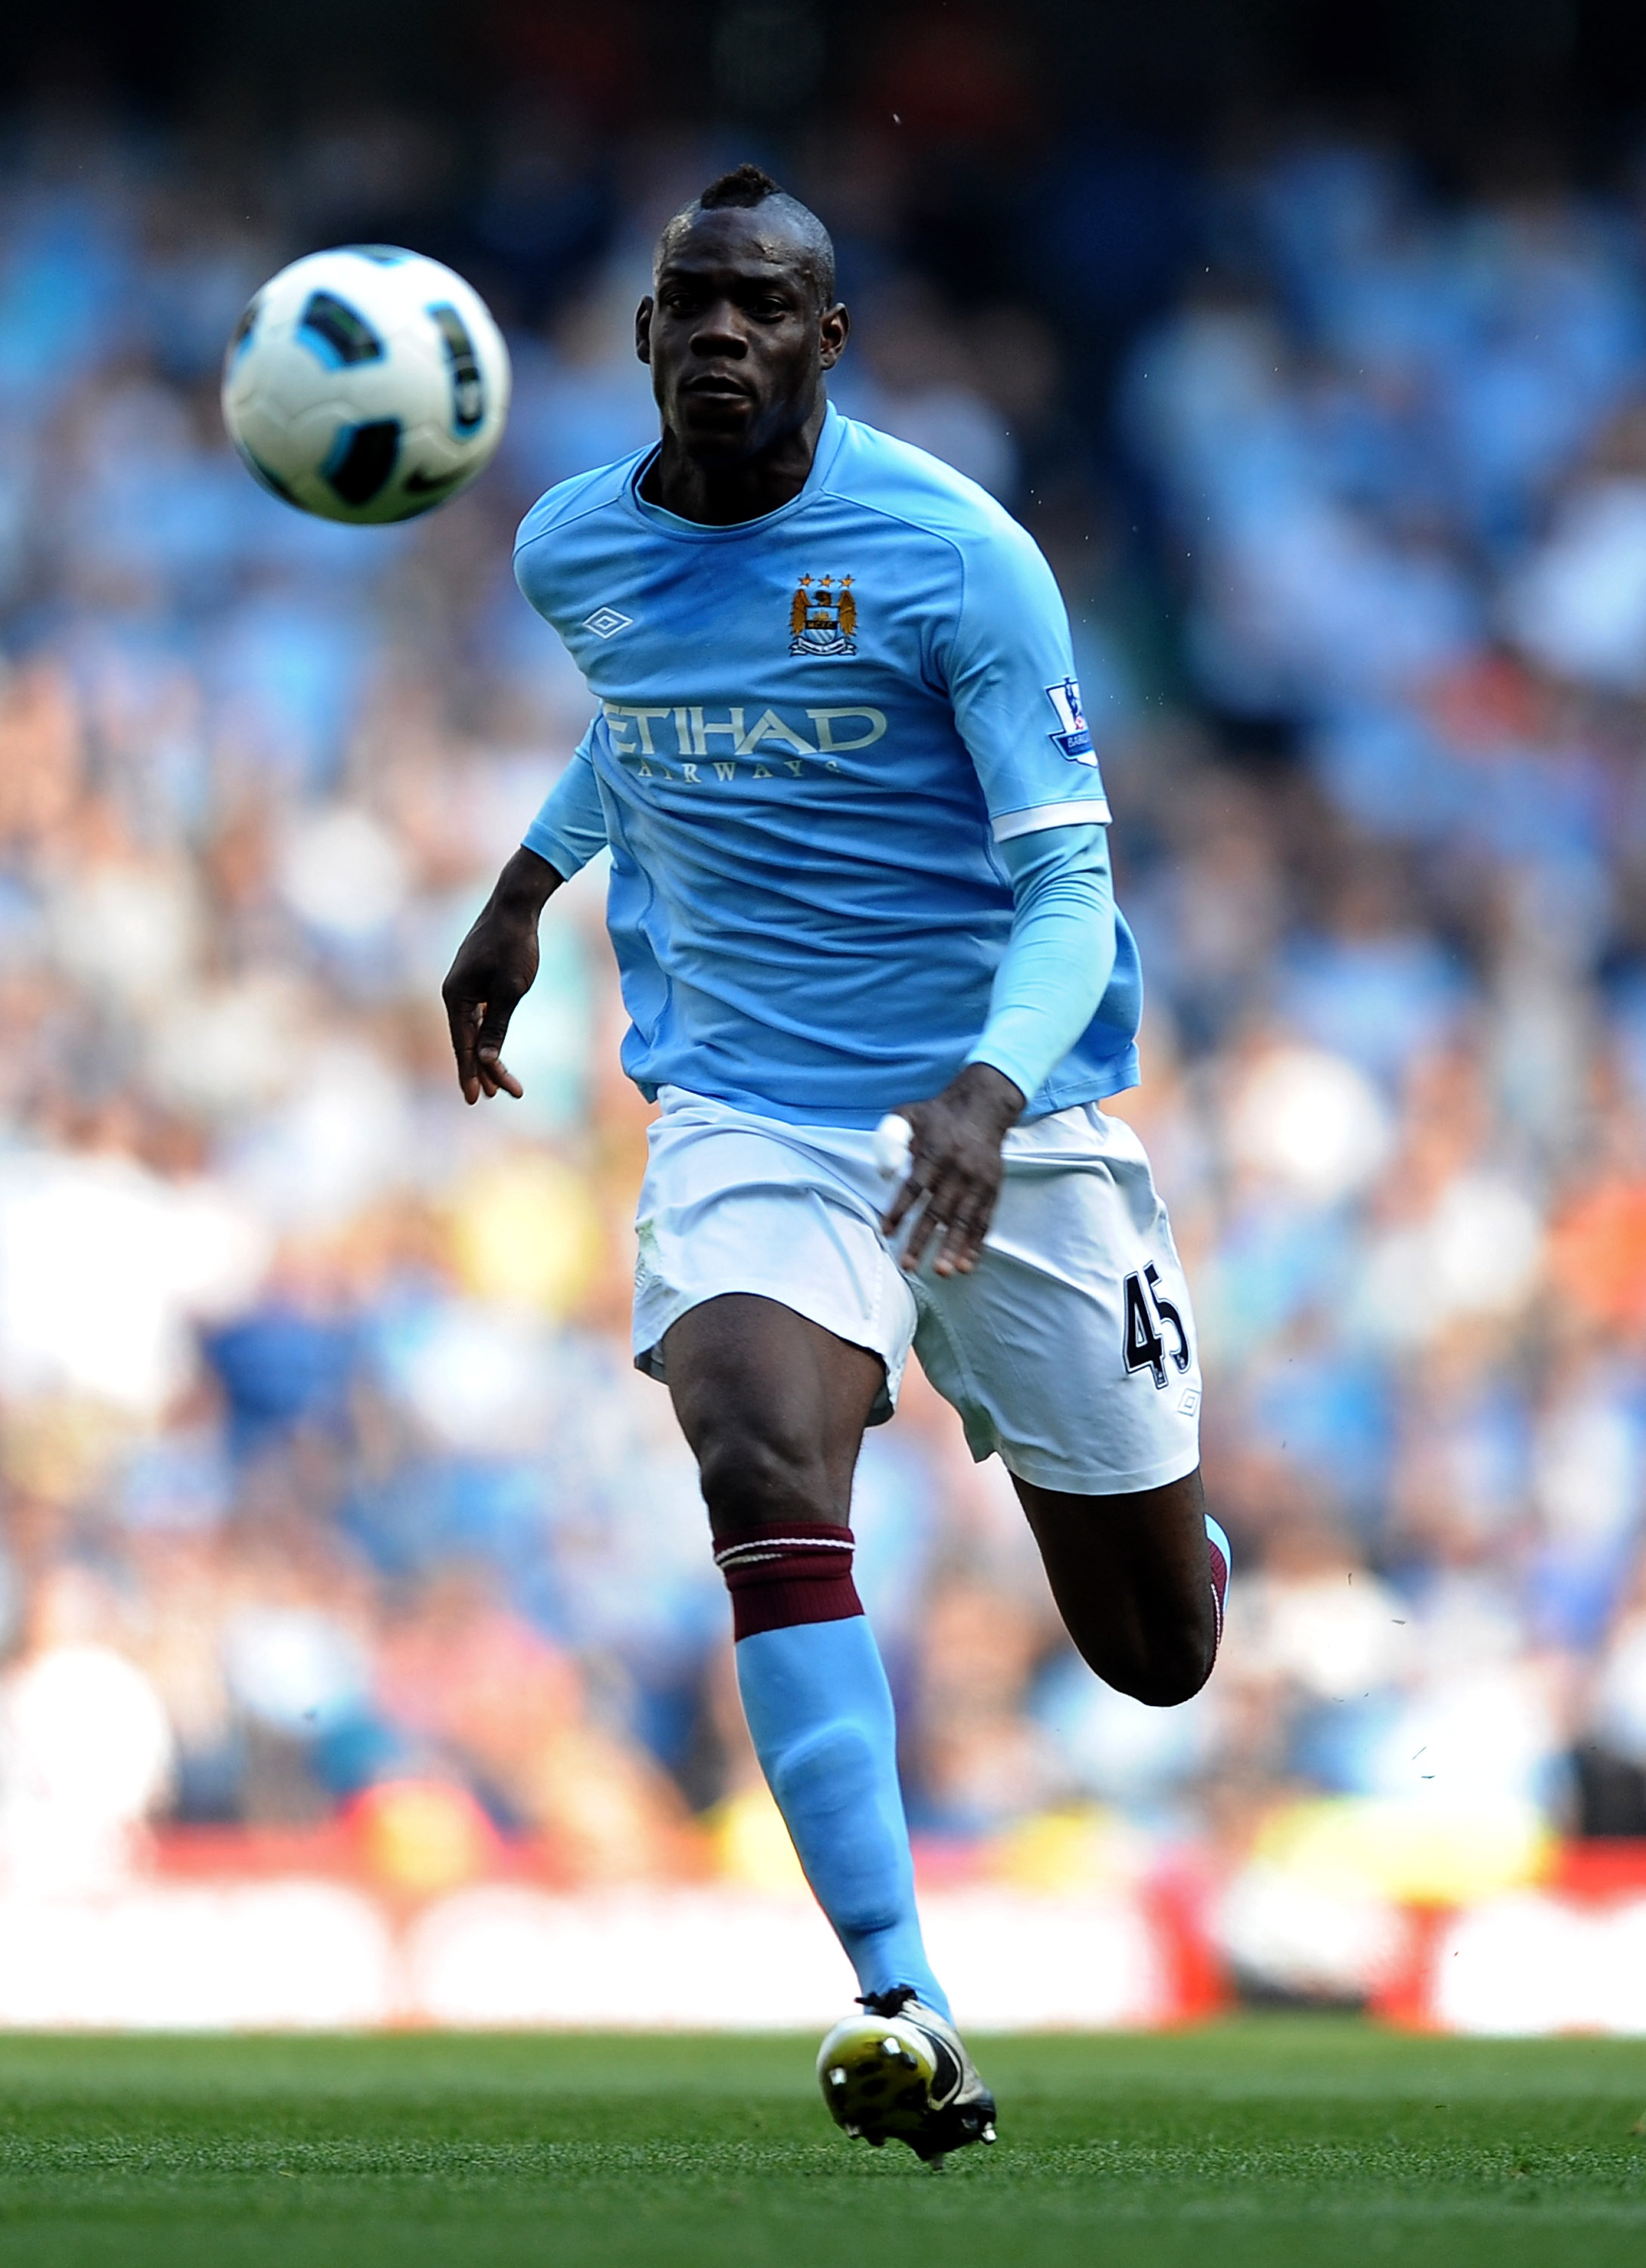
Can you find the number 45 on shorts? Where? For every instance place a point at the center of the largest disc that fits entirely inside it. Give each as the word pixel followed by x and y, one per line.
pixel 1148 1316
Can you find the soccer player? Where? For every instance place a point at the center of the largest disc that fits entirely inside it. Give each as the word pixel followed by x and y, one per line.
pixel 858 868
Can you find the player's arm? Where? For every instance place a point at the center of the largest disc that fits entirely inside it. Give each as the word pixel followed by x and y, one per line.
pixel 1060 956
pixel 1006 656
pixel 1053 975
pixel 496 961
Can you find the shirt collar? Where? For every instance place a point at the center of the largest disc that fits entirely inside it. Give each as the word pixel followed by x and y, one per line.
pixel 670 523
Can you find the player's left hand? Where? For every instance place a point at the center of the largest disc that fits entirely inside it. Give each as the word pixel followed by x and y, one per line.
pixel 954 1170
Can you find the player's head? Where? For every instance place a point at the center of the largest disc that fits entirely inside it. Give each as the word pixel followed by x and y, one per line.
pixel 782 219
pixel 742 321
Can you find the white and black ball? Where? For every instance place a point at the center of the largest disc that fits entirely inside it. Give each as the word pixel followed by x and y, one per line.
pixel 367 384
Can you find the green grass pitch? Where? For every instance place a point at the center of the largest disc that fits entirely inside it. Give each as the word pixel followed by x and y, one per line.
pixel 1263 2141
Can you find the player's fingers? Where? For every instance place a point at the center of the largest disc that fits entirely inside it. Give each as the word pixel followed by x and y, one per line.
pixel 495 1076
pixel 488 1064
pixel 463 1018
pixel 954 1207
pixel 944 1200
pixel 924 1226
pixel 958 1254
pixel 910 1189
pixel 960 1211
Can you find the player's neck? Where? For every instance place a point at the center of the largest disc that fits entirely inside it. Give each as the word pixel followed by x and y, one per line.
pixel 722 494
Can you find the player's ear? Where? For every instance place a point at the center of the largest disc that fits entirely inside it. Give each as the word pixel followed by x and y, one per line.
pixel 643 328
pixel 834 327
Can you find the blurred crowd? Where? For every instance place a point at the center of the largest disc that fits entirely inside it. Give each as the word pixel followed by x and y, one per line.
pixel 331 1498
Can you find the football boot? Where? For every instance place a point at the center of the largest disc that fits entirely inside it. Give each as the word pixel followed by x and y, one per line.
pixel 898 2072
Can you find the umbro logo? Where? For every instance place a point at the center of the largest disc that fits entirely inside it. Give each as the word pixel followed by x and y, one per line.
pixel 606 622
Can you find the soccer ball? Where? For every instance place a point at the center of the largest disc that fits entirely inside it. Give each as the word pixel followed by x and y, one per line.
pixel 366 384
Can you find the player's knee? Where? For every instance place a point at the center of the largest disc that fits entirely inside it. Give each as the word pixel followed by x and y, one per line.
pixel 1169 1687
pixel 749 1474
pixel 1169 1670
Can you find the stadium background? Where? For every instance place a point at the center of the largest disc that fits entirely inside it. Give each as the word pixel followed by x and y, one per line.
pixel 346 1560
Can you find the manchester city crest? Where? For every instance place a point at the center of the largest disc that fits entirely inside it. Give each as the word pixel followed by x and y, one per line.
pixel 822 616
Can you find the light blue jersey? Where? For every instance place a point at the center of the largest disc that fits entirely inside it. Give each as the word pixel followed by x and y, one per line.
pixel 814 727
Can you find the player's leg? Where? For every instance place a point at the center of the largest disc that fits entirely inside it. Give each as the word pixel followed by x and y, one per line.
pixel 766 1298
pixel 1070 1351
pixel 774 1408
pixel 1137 1580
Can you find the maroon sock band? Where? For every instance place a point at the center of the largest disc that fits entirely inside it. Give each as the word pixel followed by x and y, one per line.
pixel 1220 1586
pixel 787 1572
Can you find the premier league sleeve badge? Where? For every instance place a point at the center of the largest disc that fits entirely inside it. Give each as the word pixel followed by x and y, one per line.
pixel 1073 736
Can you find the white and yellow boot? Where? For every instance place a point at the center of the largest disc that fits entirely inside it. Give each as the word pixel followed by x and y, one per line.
pixel 899 2072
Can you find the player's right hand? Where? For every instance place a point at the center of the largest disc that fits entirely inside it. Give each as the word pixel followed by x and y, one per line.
pixel 493 972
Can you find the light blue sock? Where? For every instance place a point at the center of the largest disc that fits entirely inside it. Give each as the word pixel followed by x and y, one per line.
pixel 819 1710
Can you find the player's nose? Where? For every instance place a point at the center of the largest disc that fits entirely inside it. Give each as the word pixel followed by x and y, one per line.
pixel 720 332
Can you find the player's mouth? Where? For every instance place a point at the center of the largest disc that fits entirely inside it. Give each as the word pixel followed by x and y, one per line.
pixel 712 387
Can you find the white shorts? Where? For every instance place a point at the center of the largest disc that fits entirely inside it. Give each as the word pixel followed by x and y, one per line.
pixel 1069 1349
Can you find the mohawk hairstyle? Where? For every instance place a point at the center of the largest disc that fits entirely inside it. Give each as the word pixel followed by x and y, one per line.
pixel 747 186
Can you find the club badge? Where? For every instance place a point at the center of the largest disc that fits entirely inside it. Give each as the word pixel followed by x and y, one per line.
pixel 822 616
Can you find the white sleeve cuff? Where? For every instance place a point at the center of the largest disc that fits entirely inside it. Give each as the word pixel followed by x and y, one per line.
pixel 1089 811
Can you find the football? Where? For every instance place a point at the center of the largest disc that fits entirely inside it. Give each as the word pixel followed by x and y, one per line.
pixel 366 384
